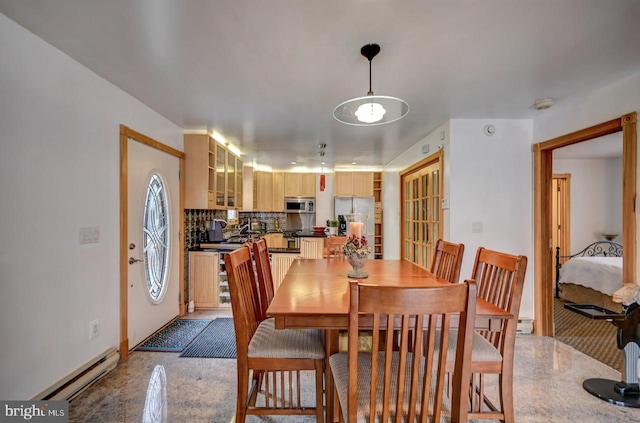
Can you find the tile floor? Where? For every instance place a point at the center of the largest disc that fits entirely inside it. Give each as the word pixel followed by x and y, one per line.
pixel 547 384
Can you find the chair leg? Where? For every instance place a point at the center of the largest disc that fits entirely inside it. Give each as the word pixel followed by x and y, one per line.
pixel 243 388
pixel 319 390
pixel 506 395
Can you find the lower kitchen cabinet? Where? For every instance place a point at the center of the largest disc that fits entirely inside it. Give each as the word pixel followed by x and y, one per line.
pixel 275 240
pixel 280 264
pixel 208 286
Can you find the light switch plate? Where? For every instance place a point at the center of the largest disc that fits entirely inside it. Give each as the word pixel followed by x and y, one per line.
pixel 89 235
pixel 476 227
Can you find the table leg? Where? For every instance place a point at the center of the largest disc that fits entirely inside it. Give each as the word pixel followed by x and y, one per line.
pixel 331 347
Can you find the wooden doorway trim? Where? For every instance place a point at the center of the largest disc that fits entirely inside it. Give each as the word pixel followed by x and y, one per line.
pixel 125 134
pixel 543 170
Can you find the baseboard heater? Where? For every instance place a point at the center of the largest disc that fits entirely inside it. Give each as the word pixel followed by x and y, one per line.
pixel 73 384
pixel 525 326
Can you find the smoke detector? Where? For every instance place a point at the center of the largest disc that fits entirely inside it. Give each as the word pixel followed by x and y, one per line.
pixel 543 104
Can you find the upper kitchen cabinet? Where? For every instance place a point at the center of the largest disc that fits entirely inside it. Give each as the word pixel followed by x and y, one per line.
pixel 268 191
pixel 299 184
pixel 353 184
pixel 213 176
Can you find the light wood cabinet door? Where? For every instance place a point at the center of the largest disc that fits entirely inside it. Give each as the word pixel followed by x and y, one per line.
pixel 274 240
pixel 278 191
pixel 363 184
pixel 203 279
pixel 291 184
pixel 262 191
pixel 343 184
pixel 308 184
pixel 196 174
pixel 312 248
pixel 356 184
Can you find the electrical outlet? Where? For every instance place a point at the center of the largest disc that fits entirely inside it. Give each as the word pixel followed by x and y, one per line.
pixel 94 328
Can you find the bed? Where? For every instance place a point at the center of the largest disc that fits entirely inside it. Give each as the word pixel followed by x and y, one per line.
pixel 590 276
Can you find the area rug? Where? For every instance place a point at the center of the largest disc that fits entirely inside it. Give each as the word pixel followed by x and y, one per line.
pixel 218 340
pixel 595 338
pixel 175 336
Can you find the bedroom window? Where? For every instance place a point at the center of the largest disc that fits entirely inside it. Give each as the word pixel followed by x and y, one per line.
pixel 155 238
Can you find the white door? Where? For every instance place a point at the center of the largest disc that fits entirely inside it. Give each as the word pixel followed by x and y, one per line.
pixel 153 279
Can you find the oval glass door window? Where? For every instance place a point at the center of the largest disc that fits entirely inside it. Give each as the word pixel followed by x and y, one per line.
pixel 155 238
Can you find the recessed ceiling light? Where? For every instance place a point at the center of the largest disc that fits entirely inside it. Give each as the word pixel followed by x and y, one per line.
pixel 543 104
pixel 323 163
pixel 293 162
pixel 354 163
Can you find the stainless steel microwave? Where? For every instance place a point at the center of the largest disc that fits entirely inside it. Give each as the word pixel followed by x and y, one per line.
pixel 299 204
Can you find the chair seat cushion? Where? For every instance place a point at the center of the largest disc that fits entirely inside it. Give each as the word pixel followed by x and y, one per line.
pixel 483 350
pixel 340 369
pixel 269 342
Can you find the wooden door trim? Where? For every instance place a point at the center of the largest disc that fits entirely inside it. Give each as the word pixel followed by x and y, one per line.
pixel 543 169
pixel 125 134
pixel 435 157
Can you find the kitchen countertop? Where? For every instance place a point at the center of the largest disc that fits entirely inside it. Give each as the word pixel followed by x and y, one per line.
pixel 226 246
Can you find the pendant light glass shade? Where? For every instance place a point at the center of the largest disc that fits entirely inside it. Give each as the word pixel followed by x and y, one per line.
pixel 371 109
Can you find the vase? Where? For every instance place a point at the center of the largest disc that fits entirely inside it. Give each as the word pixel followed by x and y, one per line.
pixel 357 262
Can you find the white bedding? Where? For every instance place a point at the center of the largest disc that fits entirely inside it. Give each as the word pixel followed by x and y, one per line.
pixel 603 274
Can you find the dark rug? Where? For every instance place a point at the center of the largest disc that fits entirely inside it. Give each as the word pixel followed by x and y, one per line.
pixel 218 340
pixel 175 336
pixel 595 338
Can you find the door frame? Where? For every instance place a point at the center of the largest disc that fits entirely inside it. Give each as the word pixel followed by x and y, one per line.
pixel 125 134
pixel 543 170
pixel 437 157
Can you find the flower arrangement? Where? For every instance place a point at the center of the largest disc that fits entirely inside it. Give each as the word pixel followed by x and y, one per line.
pixel 356 246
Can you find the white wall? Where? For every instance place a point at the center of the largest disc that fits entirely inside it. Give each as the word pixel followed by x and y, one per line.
pixel 487 180
pixel 599 106
pixel 491 186
pixel 596 199
pixel 59 171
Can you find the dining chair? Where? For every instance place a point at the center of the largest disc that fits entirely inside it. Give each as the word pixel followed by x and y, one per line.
pixel 404 385
pixel 500 280
pixel 447 260
pixel 269 357
pixel 265 278
pixel 335 244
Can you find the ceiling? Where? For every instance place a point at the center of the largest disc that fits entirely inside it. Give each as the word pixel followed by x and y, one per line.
pixel 268 74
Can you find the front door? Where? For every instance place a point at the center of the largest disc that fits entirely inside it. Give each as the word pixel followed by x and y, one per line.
pixel 153 228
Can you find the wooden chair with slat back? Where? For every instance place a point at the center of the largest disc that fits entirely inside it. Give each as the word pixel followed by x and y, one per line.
pixel 268 355
pixel 387 385
pixel 265 278
pixel 500 280
pixel 334 246
pixel 447 260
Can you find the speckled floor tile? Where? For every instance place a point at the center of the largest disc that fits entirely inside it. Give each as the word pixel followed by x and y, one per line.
pixel 548 378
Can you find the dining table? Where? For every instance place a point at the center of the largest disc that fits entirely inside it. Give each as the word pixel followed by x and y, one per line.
pixel 314 294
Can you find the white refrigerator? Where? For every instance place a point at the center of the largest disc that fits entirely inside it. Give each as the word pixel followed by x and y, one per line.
pixel 366 205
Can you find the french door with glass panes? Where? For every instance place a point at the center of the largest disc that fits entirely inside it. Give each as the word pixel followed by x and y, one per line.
pixel 421 190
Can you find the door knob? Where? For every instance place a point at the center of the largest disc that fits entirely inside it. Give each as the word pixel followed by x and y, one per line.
pixel 133 260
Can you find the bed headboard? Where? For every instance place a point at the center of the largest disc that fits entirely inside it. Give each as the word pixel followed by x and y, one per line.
pixel 596 249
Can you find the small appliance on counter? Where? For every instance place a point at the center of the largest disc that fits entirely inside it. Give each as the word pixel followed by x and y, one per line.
pixel 342 227
pixel 215 230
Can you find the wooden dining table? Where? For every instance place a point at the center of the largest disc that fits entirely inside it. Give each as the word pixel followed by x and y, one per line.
pixel 315 295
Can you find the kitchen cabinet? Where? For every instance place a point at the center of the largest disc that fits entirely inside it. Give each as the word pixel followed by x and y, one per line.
pixel 353 184
pixel 299 184
pixel 280 264
pixel 312 247
pixel 213 175
pixel 268 191
pixel 203 279
pixel 278 192
pixel 275 240
pixel 262 191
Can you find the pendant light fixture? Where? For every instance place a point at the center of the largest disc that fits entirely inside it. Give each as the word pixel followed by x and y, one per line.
pixel 371 109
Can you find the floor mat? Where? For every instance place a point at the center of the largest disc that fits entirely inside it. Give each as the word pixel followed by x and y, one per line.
pixel 175 336
pixel 218 340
